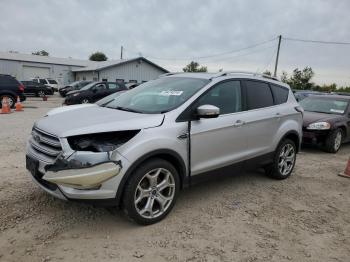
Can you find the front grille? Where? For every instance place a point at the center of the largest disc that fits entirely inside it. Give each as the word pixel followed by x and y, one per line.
pixel 44 146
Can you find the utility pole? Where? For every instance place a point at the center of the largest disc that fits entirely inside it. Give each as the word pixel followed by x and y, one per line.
pixel 121 53
pixel 278 54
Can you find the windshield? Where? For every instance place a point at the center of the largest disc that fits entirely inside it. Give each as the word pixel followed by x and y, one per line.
pixel 87 87
pixel 324 105
pixel 51 81
pixel 109 98
pixel 158 96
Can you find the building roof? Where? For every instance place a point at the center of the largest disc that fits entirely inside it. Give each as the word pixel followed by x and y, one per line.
pixel 97 66
pixel 43 59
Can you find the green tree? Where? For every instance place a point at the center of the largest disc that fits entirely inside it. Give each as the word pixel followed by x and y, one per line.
pixel 194 67
pixel 42 53
pixel 300 79
pixel 98 56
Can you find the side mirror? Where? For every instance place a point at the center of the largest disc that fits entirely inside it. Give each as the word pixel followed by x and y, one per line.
pixel 208 111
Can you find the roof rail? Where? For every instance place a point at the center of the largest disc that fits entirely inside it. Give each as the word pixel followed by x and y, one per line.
pixel 243 73
pixel 169 74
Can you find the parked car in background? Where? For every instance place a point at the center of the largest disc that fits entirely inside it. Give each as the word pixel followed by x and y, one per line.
pixel 10 88
pixel 73 86
pixel 37 89
pixel 47 81
pixel 302 94
pixel 93 92
pixel 326 121
pixel 131 85
pixel 140 148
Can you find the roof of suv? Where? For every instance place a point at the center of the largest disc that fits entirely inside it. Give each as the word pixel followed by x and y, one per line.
pixel 233 74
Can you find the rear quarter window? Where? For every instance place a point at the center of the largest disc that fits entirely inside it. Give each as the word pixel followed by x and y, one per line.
pixel 280 94
pixel 258 95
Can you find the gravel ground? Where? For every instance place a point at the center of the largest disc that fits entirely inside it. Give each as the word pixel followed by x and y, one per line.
pixel 245 217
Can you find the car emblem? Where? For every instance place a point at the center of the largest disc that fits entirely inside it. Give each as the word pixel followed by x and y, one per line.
pixel 37 138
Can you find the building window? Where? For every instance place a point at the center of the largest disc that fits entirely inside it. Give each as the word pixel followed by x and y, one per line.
pixel 118 80
pixel 104 79
pixel 78 78
pixel 94 79
pixel 84 78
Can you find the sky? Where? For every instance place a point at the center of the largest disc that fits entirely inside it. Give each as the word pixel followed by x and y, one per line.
pixel 172 33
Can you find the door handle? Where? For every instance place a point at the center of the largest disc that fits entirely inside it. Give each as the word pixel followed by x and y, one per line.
pixel 238 123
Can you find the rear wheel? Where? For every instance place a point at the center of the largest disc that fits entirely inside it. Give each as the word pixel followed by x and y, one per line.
pixel 11 100
pixel 334 141
pixel 151 192
pixel 284 160
pixel 41 93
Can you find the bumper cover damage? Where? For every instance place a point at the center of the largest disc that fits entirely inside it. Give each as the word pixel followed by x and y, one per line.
pixel 84 178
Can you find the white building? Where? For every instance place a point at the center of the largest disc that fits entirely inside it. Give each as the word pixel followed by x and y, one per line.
pixel 136 70
pixel 66 70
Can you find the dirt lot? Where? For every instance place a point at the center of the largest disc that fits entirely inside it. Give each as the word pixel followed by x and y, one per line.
pixel 246 217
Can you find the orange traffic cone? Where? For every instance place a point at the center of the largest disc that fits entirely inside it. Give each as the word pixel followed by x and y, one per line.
pixel 19 106
pixel 5 109
pixel 347 171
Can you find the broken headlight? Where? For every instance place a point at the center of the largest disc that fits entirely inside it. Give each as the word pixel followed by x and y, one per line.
pixel 101 142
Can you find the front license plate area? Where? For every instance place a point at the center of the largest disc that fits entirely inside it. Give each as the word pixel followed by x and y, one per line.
pixel 32 165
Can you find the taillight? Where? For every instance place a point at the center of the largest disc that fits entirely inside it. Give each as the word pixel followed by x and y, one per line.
pixel 21 87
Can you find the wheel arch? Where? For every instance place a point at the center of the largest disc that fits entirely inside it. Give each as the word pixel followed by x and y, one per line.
pixel 167 154
pixel 294 136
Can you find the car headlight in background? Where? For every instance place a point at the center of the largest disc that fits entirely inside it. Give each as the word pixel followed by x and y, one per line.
pixel 319 126
pixel 76 94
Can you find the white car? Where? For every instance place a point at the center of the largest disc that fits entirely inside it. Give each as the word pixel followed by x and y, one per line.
pixel 47 81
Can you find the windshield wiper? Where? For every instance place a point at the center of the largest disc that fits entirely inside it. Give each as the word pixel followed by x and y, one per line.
pixel 126 109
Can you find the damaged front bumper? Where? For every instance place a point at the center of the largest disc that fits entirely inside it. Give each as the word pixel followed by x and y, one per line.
pixel 79 175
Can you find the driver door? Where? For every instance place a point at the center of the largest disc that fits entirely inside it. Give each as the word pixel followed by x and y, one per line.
pixel 219 142
pixel 99 91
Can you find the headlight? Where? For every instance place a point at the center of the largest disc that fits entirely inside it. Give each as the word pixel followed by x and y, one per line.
pixel 76 94
pixel 101 142
pixel 319 126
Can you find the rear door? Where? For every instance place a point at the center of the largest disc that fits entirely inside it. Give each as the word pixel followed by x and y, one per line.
pixel 219 142
pixel 261 118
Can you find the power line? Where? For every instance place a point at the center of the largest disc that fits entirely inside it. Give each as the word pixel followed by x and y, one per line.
pixel 214 55
pixel 316 41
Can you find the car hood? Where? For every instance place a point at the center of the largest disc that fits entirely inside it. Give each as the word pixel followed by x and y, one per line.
pixel 67 108
pixel 74 91
pixel 95 119
pixel 312 117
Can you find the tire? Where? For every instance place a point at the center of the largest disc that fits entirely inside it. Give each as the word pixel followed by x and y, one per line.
pixel 11 99
pixel 333 141
pixel 283 164
pixel 85 101
pixel 139 192
pixel 40 93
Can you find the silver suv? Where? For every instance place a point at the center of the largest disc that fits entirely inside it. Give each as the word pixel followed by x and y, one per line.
pixel 138 149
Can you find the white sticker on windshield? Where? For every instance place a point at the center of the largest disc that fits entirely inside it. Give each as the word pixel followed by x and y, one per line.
pixel 171 93
pixel 337 111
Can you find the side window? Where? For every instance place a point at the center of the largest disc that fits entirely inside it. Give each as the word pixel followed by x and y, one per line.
pixel 100 87
pixel 258 95
pixel 113 86
pixel 43 81
pixel 225 95
pixel 280 94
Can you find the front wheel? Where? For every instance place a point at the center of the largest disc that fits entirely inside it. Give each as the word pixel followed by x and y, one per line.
pixel 284 160
pixel 85 101
pixel 333 141
pixel 151 192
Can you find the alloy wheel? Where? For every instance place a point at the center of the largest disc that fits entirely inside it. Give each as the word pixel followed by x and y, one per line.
pixel 337 140
pixel 286 159
pixel 154 193
pixel 41 93
pixel 85 101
